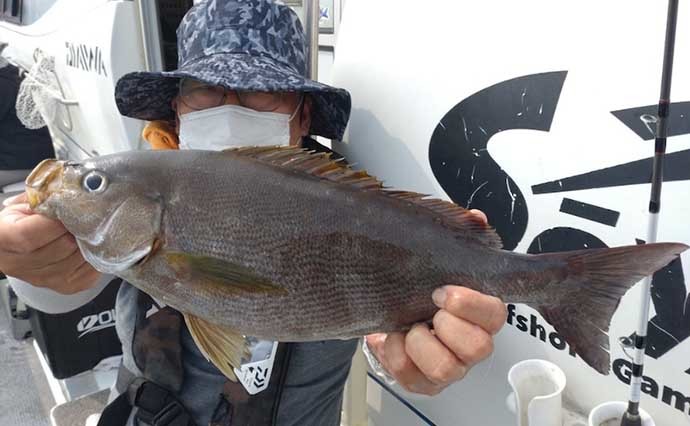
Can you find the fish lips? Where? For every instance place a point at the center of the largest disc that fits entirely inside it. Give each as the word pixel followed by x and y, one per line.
pixel 44 180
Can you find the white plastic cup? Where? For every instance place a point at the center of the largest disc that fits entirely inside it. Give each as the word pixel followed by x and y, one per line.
pixel 610 414
pixel 537 388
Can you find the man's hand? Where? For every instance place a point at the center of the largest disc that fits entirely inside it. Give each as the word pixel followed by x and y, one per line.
pixel 40 251
pixel 427 361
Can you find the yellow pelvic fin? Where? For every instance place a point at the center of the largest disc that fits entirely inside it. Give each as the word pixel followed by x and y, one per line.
pixel 223 346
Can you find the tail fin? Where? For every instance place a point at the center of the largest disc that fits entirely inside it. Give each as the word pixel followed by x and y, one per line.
pixel 594 283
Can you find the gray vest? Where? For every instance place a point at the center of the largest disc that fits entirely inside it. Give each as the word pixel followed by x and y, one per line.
pixel 165 380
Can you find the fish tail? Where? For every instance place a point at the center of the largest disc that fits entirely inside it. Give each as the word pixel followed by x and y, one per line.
pixel 590 289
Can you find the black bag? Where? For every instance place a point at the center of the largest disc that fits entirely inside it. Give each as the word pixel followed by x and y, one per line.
pixel 76 341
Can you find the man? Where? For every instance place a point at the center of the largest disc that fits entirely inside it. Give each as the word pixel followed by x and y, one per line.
pixel 240 82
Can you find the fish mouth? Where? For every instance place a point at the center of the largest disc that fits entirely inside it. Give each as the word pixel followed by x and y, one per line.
pixel 44 180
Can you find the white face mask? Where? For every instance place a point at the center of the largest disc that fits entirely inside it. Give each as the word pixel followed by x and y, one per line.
pixel 229 126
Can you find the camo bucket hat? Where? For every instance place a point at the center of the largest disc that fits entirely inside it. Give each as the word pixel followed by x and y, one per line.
pixel 254 45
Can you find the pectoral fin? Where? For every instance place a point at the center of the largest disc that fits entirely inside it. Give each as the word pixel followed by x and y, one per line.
pixel 223 346
pixel 232 277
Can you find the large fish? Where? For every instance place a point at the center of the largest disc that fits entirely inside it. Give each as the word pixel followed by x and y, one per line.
pixel 288 245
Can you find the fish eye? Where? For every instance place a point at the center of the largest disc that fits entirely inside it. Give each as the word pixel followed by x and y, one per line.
pixel 94 182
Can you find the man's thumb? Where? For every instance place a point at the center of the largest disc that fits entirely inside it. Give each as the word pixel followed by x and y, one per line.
pixel 376 343
pixel 17 199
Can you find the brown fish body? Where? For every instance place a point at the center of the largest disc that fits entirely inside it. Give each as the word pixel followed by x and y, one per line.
pixel 352 262
pixel 284 245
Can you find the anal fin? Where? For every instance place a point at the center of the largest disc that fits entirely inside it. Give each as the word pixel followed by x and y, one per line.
pixel 223 346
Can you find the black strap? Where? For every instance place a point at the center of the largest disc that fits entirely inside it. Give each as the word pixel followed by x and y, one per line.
pixel 117 412
pixel 155 406
pixel 156 344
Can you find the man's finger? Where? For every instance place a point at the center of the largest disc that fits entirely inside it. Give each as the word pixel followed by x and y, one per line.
pixel 488 312
pixel 15 212
pixel 469 342
pixel 35 231
pixel 433 358
pixel 83 278
pixel 70 276
pixel 54 252
pixel 17 199
pixel 55 274
pixel 403 369
pixel 376 343
pixel 480 214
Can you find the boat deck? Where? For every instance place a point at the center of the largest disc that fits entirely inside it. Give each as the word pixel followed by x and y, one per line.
pixel 25 396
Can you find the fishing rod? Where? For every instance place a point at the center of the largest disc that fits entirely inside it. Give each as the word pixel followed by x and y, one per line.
pixel 632 414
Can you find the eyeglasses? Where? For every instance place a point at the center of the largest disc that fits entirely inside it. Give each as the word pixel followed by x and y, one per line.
pixel 197 96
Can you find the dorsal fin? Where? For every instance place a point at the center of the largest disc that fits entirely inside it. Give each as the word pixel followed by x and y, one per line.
pixel 456 218
pixel 314 163
pixel 320 164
